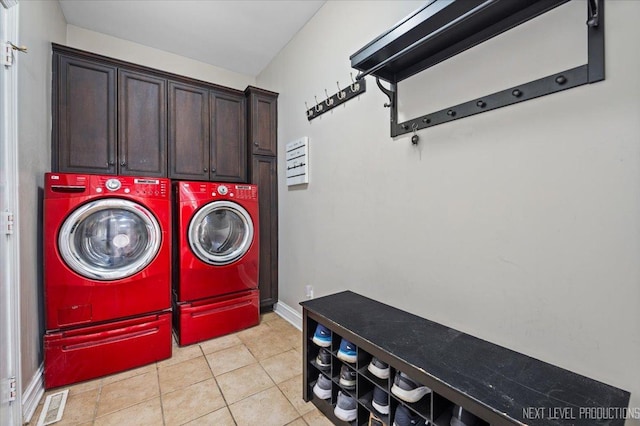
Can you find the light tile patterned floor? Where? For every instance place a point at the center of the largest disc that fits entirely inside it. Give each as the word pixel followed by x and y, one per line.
pixel 249 378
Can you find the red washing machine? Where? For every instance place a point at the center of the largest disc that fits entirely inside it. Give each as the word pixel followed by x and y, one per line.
pixel 107 275
pixel 216 259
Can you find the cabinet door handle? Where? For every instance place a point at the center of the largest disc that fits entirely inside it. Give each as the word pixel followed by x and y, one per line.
pixel 256 143
pixel 111 163
pixel 123 163
pixel 204 170
pixel 213 169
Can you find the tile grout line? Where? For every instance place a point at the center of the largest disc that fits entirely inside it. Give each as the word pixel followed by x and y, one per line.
pixel 292 406
pixel 164 422
pixel 218 386
pixel 95 409
pixel 133 405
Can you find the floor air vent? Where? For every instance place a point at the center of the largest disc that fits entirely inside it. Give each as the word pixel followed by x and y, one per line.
pixel 53 408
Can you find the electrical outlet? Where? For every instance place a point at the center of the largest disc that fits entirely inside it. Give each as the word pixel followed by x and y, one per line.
pixel 309 291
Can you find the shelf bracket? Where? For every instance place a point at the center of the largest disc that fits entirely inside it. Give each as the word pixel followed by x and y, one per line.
pixel 390 93
pixel 594 16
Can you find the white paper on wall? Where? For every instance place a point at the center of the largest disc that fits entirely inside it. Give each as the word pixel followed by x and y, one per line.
pixel 297 157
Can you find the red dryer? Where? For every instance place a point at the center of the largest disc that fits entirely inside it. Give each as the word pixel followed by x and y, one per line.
pixel 107 275
pixel 216 259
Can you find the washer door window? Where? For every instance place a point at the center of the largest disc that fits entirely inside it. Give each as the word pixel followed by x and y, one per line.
pixel 109 239
pixel 220 233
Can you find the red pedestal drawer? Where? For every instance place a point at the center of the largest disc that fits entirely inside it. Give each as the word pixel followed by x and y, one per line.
pixel 213 317
pixel 86 353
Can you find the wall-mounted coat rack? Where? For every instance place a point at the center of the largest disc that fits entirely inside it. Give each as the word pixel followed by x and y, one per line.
pixel 342 96
pixel 445 28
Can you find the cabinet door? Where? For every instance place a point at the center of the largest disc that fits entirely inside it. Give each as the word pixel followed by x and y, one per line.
pixel 228 137
pixel 142 124
pixel 264 175
pixel 188 132
pixel 263 122
pixel 85 116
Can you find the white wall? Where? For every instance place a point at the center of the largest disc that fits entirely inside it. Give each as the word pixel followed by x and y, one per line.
pixel 117 48
pixel 520 226
pixel 41 22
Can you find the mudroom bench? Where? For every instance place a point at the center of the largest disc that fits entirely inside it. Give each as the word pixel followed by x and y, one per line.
pixel 493 384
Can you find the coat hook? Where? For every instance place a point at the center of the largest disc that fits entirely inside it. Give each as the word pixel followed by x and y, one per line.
pixel 21 49
pixel 309 112
pixel 318 107
pixel 354 86
pixel 341 95
pixel 415 138
pixel 329 100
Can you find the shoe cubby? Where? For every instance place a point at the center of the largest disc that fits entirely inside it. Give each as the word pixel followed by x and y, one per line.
pixel 365 398
pixel 472 382
pixel 421 407
pixel 363 370
pixel 443 411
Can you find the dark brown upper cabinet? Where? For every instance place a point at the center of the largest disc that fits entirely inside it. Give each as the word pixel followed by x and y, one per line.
pixel 207 136
pixel 188 131
pixel 263 122
pixel 142 124
pixel 115 117
pixel 228 136
pixel 84 122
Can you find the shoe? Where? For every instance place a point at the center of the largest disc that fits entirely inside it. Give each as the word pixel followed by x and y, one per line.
pixel 374 421
pixel 322 336
pixel 322 388
pixel 347 378
pixel 346 408
pixel 408 390
pixel 323 360
pixel 462 417
pixel 378 368
pixel 347 351
pixel 404 417
pixel 380 401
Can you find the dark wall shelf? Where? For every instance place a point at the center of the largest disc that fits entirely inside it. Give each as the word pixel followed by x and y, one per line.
pixel 445 28
pixel 496 384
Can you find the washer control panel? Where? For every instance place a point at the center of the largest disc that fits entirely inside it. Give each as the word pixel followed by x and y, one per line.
pixel 146 187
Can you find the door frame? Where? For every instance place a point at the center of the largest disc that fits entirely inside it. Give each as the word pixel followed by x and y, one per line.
pixel 10 363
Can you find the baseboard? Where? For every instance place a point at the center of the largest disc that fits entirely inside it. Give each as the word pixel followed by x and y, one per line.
pixel 289 314
pixel 32 395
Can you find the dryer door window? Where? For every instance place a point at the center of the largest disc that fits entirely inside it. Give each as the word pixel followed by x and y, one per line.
pixel 220 233
pixel 109 239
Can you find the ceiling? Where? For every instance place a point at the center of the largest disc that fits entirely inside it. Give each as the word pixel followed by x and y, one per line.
pixel 238 35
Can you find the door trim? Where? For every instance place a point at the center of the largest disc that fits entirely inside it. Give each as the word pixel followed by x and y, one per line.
pixel 10 411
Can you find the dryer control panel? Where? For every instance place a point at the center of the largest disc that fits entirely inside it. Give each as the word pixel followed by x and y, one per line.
pixel 227 191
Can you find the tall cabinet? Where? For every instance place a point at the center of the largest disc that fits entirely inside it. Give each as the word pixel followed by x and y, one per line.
pixel 262 117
